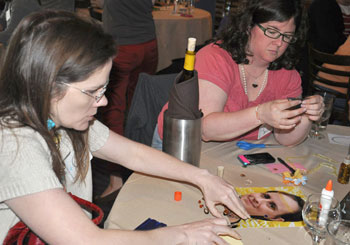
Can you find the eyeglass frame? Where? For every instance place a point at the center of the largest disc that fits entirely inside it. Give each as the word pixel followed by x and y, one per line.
pixel 97 98
pixel 279 34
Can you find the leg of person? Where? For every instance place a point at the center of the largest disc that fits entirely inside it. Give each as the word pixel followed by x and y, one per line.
pixel 113 115
pixel 131 60
pixel 148 56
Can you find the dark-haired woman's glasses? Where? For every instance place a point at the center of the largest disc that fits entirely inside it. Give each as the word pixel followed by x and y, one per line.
pixel 274 34
pixel 97 97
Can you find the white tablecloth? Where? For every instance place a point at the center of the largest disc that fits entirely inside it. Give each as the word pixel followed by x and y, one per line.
pixel 174 30
pixel 145 197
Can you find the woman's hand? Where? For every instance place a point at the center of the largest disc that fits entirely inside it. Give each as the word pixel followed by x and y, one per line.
pixel 217 191
pixel 207 231
pixel 314 107
pixel 276 113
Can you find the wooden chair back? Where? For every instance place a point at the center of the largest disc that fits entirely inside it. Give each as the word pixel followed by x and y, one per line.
pixel 317 61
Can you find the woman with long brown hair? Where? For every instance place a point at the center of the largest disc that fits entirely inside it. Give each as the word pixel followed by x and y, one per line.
pixel 52 81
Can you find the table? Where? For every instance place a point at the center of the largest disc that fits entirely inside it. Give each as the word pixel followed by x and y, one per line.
pixel 174 30
pixel 145 197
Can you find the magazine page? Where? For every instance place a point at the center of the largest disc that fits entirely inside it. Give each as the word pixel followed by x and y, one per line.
pixel 270 207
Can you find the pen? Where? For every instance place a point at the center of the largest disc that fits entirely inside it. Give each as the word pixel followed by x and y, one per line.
pixel 285 164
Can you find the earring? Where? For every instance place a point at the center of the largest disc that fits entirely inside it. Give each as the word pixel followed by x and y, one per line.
pixel 266 216
pixel 50 124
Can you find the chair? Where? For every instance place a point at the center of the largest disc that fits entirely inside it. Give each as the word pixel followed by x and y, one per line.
pixel 151 94
pixel 222 9
pixel 331 70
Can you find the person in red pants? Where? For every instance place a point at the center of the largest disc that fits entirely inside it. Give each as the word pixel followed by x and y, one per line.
pixel 132 26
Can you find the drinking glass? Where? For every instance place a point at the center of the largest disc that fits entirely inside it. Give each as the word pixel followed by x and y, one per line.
pixel 323 125
pixel 339 232
pixel 313 215
pixel 167 4
pixel 190 6
pixel 328 100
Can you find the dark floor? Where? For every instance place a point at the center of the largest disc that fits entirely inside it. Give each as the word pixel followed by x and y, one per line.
pixel 101 171
pixel 100 182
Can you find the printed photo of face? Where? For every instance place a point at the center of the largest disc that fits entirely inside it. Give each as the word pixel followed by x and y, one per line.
pixel 270 205
pixel 267 205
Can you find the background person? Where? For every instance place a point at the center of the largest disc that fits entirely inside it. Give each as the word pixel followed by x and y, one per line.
pixel 327 19
pixel 131 25
pixel 67 5
pixel 14 11
pixel 329 27
pixel 247 74
pixel 52 82
pixel 329 33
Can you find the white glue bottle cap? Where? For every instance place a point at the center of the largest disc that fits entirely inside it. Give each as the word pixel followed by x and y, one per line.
pixel 328 191
pixel 325 203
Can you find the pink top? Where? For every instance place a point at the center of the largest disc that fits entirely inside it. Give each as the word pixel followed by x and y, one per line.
pixel 215 64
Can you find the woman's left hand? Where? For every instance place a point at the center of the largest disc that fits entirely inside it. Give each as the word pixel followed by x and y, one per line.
pixel 314 107
pixel 217 191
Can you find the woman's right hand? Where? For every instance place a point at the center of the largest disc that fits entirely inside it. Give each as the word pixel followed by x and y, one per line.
pixel 206 231
pixel 276 113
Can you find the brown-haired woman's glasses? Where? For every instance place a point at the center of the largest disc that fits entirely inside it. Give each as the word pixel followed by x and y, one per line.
pixel 97 97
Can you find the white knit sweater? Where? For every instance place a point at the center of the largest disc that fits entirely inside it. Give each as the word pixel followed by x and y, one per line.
pixel 26 168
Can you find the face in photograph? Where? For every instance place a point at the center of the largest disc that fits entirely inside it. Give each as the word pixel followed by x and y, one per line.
pixel 267 206
pixel 270 205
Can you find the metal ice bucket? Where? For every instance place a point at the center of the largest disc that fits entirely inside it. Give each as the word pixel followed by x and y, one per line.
pixel 182 138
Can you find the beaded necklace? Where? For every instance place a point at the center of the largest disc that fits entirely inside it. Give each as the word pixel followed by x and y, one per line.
pixel 241 67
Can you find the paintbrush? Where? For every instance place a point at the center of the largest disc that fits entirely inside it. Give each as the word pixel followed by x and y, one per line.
pixel 285 164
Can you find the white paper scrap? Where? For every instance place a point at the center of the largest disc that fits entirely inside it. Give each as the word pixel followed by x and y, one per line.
pixel 339 139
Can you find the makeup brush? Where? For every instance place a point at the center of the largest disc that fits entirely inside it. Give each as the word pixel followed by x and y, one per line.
pixel 285 164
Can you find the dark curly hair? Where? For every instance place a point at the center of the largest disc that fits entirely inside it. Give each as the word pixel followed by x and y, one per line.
pixel 234 38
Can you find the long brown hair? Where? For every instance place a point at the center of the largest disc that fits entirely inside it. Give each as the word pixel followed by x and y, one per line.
pixel 46 49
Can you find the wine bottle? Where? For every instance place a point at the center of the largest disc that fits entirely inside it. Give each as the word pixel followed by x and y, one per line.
pixel 188 70
pixel 344 170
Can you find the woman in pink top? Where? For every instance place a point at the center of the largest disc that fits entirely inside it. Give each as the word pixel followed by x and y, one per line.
pixel 247 74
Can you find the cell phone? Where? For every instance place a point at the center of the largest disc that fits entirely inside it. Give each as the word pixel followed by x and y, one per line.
pixel 296 106
pixel 256 158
